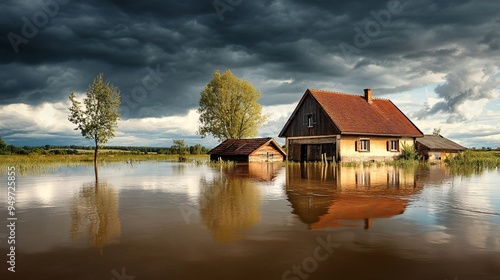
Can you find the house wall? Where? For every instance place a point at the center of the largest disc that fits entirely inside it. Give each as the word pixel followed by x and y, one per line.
pixel 321 123
pixel 378 148
pixel 267 153
pixel 437 155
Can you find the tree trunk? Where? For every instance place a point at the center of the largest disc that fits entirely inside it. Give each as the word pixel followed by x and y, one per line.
pixel 95 163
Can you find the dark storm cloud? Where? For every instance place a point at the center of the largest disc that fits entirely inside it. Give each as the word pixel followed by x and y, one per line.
pixel 296 41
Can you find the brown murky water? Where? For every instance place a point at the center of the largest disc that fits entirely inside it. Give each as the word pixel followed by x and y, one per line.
pixel 181 221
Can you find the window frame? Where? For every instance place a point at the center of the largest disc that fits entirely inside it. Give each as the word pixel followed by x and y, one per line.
pixel 363 145
pixel 393 145
pixel 309 120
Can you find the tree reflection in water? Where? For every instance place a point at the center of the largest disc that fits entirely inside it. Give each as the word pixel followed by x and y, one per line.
pixel 96 205
pixel 228 205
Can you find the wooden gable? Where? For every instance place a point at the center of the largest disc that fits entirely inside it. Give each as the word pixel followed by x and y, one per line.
pixel 309 119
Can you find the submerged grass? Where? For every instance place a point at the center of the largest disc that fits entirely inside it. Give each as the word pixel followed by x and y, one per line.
pixel 38 164
pixel 220 163
pixel 473 162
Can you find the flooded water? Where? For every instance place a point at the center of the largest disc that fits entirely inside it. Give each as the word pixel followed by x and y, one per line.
pixel 181 221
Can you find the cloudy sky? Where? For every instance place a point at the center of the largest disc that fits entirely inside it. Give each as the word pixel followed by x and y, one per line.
pixel 438 61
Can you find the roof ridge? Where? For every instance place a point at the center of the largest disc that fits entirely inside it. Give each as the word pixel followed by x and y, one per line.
pixel 345 93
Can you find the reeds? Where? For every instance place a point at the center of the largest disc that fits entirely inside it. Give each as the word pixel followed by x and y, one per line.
pixel 473 162
pixel 39 164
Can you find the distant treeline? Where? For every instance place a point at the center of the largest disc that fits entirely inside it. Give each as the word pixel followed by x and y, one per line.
pixel 74 149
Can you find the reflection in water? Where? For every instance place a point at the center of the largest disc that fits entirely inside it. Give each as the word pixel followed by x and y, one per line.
pixel 449 229
pixel 96 206
pixel 257 171
pixel 229 203
pixel 329 196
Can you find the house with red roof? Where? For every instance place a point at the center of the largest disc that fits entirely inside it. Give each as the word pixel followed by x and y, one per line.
pixel 248 150
pixel 344 127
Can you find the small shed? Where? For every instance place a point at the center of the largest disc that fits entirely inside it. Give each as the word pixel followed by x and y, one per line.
pixel 437 147
pixel 248 150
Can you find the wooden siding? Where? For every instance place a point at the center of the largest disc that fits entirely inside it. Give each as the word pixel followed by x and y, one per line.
pixel 311 149
pixel 321 123
pixel 267 153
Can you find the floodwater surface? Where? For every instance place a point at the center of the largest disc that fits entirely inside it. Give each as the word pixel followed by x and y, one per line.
pixel 260 221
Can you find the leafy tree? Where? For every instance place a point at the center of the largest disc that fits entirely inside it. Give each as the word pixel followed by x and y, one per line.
pixel 180 148
pixel 97 121
pixel 195 150
pixel 229 108
pixel 437 131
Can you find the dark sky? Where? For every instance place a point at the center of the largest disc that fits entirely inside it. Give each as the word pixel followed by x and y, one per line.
pixel 437 60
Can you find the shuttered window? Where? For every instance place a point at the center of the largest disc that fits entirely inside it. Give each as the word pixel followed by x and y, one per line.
pixel 363 145
pixel 393 145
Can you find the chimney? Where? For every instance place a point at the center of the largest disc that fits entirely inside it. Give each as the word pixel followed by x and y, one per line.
pixel 368 95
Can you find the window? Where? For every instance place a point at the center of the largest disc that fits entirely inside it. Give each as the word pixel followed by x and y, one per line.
pixel 270 156
pixel 393 145
pixel 309 121
pixel 363 145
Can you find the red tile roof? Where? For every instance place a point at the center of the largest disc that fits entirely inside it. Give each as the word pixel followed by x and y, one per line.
pixel 352 114
pixel 243 147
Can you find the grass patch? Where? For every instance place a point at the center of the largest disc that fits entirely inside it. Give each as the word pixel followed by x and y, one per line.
pixel 473 162
pixel 38 164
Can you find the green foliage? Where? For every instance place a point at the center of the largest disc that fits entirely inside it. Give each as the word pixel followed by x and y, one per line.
pixel 473 162
pixel 97 121
pixel 437 131
pixel 3 146
pixel 99 117
pixel 45 163
pixel 351 163
pixel 195 150
pixel 408 152
pixel 229 108
pixel 220 163
pixel 180 148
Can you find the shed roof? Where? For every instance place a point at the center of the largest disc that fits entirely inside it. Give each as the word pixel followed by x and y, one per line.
pixel 352 114
pixel 243 147
pixel 438 142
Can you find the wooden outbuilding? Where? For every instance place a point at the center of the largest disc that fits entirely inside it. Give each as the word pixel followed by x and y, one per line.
pixel 437 147
pixel 346 127
pixel 248 150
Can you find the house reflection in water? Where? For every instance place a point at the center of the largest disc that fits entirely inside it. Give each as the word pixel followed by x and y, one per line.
pixel 255 171
pixel 230 201
pixel 333 196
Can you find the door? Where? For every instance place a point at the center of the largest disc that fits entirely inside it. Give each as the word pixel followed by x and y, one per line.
pixel 303 153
